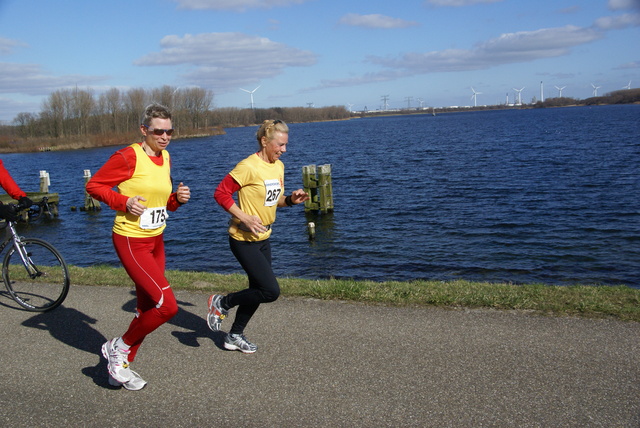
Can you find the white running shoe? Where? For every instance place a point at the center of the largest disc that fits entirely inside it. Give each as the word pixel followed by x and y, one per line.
pixel 117 361
pixel 237 342
pixel 135 384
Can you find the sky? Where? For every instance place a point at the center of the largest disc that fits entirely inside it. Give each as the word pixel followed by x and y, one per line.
pixel 372 54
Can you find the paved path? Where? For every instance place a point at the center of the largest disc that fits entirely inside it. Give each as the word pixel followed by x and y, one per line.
pixel 327 364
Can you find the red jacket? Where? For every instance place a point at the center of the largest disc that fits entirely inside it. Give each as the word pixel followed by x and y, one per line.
pixel 9 185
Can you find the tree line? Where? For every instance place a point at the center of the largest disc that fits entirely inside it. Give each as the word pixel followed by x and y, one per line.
pixel 113 117
pixel 623 96
pixel 77 112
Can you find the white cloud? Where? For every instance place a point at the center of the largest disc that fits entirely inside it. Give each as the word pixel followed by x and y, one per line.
pixel 226 60
pixel 629 66
pixel 9 107
pixel 459 3
pixel 508 48
pixel 624 4
pixel 7 45
pixel 375 21
pixel 31 79
pixel 234 5
pixel 618 22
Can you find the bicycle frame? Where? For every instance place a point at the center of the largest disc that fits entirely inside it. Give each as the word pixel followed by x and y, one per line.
pixel 42 282
pixel 11 236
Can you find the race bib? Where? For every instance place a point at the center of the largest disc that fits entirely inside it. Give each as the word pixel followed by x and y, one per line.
pixel 153 218
pixel 273 192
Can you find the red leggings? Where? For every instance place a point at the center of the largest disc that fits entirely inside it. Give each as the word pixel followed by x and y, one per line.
pixel 144 261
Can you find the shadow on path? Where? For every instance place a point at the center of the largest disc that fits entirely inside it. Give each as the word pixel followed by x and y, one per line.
pixel 74 328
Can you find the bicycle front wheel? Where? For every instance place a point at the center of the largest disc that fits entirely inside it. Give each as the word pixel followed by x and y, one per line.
pixel 40 284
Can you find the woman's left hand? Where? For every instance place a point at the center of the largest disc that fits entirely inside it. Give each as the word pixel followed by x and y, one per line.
pixel 183 194
pixel 299 196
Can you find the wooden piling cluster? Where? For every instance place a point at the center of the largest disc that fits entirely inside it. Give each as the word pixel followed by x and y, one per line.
pixel 90 203
pixel 53 199
pixel 317 183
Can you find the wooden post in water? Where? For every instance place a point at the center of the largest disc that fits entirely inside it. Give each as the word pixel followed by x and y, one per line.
pixel 90 204
pixel 325 188
pixel 317 183
pixel 44 181
pixel 311 228
pixel 310 184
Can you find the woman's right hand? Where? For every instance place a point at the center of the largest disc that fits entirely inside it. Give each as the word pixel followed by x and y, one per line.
pixel 254 224
pixel 134 206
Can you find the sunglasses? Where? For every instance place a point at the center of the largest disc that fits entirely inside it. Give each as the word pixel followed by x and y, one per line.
pixel 274 123
pixel 159 131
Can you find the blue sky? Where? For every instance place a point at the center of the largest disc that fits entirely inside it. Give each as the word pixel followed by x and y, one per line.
pixel 320 52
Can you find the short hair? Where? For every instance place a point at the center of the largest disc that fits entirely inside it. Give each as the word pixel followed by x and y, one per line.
pixel 269 128
pixel 155 111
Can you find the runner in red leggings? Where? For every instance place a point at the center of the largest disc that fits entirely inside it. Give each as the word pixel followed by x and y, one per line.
pixel 142 174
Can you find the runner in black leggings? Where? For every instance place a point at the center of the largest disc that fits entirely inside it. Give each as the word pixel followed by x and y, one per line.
pixel 255 259
pixel 259 183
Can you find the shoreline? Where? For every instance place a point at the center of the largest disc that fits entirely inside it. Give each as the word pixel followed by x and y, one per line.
pixel 79 143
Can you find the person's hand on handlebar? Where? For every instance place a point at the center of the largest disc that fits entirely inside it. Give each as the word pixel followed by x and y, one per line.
pixel 24 203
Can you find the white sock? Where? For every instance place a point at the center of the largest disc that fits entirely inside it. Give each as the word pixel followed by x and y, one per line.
pixel 121 345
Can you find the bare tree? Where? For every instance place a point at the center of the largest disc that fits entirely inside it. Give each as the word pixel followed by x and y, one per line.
pixel 84 105
pixel 53 114
pixel 197 102
pixel 26 123
pixel 135 102
pixel 111 105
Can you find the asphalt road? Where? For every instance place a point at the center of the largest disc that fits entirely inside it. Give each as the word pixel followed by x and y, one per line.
pixel 320 364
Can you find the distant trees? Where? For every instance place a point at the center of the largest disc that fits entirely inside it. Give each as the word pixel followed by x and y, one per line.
pixel 231 117
pixel 559 102
pixel 76 112
pixel 623 96
pixel 75 118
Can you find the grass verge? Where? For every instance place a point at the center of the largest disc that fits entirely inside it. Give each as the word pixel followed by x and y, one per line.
pixel 620 302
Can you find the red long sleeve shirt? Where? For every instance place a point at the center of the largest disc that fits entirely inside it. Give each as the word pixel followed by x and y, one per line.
pixel 120 167
pixel 225 190
pixel 9 185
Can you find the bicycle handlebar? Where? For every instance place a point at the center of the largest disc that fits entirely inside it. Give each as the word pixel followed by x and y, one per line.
pixel 16 208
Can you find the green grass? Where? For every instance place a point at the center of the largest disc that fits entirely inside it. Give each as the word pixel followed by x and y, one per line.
pixel 619 302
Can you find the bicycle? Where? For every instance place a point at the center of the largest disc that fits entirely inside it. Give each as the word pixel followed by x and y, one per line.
pixel 33 271
pixel 42 208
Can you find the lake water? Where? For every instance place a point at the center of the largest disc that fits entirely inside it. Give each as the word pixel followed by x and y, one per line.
pixel 548 196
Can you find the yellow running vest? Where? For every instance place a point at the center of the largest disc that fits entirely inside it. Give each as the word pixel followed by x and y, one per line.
pixel 152 182
pixel 262 185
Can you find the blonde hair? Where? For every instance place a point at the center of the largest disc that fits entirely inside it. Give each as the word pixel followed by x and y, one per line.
pixel 269 128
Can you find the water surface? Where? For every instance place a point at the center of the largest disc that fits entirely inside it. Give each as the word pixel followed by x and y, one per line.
pixel 548 195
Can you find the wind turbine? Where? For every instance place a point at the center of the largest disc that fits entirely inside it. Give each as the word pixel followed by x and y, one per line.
pixel 519 91
pixel 595 89
pixel 560 91
pixel 251 94
pixel 350 107
pixel 628 86
pixel 474 97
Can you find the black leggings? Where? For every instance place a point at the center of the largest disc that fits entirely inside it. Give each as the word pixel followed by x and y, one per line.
pixel 255 259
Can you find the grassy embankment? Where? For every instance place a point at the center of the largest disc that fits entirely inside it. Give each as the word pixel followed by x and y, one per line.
pixel 619 302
